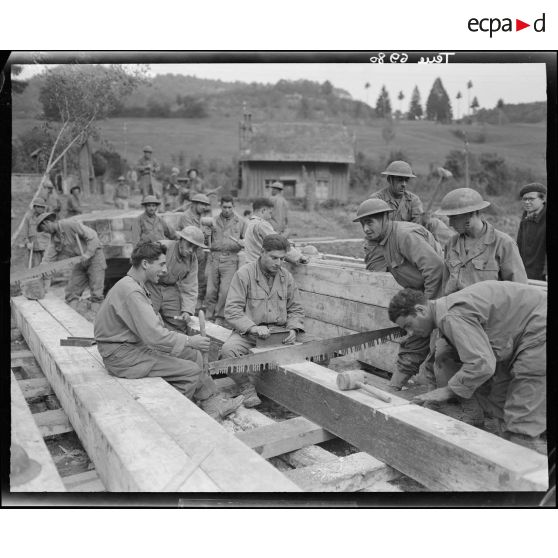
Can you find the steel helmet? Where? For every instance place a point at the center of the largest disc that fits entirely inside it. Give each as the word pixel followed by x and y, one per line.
pixel 192 234
pixel 372 206
pixel 121 179
pixel 399 168
pixel 461 201
pixel 148 148
pixel 150 199
pixel 39 202
pixel 200 198
pixel 43 217
pixel 278 185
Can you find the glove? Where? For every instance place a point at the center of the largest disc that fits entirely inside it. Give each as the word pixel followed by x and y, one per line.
pixel 200 343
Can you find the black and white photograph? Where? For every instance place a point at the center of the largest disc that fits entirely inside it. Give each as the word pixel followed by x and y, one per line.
pixel 279 277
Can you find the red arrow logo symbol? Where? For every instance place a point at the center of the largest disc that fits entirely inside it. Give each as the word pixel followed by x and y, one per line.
pixel 519 25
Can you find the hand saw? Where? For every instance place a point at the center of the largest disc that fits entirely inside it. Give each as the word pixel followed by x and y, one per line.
pixel 317 350
pixel 44 270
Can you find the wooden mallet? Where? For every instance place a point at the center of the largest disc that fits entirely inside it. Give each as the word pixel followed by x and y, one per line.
pixel 354 379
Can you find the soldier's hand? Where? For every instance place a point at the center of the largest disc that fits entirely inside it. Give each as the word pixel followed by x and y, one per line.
pixel 200 343
pixel 29 246
pixel 260 331
pixel 435 396
pixel 398 380
pixel 84 259
pixel 291 338
pixel 303 260
pixel 186 317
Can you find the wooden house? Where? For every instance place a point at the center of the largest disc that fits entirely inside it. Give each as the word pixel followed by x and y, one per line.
pixel 298 154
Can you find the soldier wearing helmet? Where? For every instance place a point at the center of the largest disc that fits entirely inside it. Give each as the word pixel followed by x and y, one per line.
pixel 406 207
pixel 146 168
pixel 36 242
pixel 171 190
pixel 414 258
pixel 73 205
pixel 280 214
pixel 176 292
pixel 478 252
pixel 121 193
pixel 149 226
pixel 51 198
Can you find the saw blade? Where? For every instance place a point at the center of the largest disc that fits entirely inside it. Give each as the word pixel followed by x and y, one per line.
pixel 43 270
pixel 315 350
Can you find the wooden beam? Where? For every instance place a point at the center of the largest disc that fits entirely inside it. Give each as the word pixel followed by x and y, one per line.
pixel 124 437
pixel 53 422
pixel 21 354
pixel 26 433
pixel 88 481
pixel 437 451
pixel 35 387
pixel 284 436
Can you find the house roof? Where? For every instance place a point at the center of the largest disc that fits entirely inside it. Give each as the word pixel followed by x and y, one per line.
pixel 297 141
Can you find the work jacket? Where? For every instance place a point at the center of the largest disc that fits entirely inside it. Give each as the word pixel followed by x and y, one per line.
pixel 121 191
pixel 40 240
pixel 63 242
pixel 280 214
pixel 127 316
pixel 225 228
pixel 413 257
pixel 493 256
pixel 531 239
pixel 489 322
pixel 73 206
pixel 52 200
pixel 182 274
pixel 251 301
pixel 407 208
pixel 151 229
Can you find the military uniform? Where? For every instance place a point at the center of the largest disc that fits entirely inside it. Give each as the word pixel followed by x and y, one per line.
pixel 52 200
pixel 170 193
pixel 440 231
pixel 134 343
pixel 258 299
pixel 152 229
pixel 406 208
pixel 40 240
pixel 177 290
pixel 64 244
pixel 121 195
pixel 414 258
pixel 280 214
pixel 531 239
pixel 146 168
pixel 73 206
pixel 223 262
pixel 498 328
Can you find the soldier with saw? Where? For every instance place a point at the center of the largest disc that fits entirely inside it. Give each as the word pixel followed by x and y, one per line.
pixel 262 295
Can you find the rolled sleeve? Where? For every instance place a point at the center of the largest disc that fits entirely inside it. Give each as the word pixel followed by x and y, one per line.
pixel 511 265
pixel 475 352
pixel 188 289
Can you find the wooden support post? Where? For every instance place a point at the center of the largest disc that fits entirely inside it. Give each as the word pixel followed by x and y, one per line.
pixel 88 481
pixel 53 422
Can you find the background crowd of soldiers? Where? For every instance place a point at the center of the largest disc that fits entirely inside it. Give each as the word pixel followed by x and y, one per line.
pixel 431 260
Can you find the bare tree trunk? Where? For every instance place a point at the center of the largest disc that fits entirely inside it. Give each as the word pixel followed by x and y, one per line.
pixel 84 166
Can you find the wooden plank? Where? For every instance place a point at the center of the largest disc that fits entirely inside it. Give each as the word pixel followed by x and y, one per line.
pixel 437 451
pixel 53 422
pixel 88 481
pixel 21 354
pixel 214 332
pixel 26 433
pixel 282 437
pixel 35 387
pixel 345 474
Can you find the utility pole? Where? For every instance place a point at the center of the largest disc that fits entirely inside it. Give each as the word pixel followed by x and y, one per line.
pixel 466 140
pixel 125 127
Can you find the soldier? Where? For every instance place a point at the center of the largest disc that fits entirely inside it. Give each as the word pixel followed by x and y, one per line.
pixel 280 214
pixel 405 206
pixel 262 295
pixel 171 190
pixel 440 231
pixel 69 238
pixel 176 292
pixel 74 204
pixel 146 168
pixel 414 258
pixel 134 343
pixel 121 194
pixel 51 198
pixel 36 242
pixel 200 205
pixel 498 328
pixel 226 234
pixel 531 236
pixel 149 226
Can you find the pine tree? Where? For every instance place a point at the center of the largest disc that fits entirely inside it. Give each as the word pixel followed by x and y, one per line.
pixel 438 106
pixel 383 104
pixel 415 108
pixel 458 97
pixel 475 105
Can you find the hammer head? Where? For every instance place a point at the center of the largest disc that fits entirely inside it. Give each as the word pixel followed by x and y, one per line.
pixel 443 173
pixel 350 379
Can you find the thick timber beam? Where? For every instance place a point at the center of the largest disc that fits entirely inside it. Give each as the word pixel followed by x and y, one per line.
pixel 439 452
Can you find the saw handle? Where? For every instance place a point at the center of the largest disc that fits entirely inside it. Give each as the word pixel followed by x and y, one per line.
pixel 205 355
pixel 375 393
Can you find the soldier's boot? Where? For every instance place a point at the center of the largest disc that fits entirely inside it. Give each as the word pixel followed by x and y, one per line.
pixel 536 443
pixel 472 412
pixel 217 407
pixel 248 391
pixel 74 303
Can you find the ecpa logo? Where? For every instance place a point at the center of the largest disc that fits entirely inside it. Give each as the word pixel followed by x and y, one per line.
pixel 494 24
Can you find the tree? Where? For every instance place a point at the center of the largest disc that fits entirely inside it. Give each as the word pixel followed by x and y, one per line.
pixel 469 87
pixel 367 88
pixel 383 104
pixel 18 85
pixel 458 97
pixel 305 109
pixel 326 88
pixel 438 105
pixel 500 107
pixel 400 98
pixel 475 105
pixel 415 108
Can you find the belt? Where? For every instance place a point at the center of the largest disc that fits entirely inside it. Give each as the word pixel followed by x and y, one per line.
pixel 224 252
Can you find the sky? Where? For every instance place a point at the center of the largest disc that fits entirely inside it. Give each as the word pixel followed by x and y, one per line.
pixel 514 83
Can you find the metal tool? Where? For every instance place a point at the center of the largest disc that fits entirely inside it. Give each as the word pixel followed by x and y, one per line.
pixel 355 379
pixel 312 350
pixel 78 342
pixel 275 339
pixel 44 270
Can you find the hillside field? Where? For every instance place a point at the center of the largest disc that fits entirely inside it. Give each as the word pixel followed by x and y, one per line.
pixel 423 142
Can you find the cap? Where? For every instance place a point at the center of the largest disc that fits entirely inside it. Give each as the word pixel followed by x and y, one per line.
pixel 150 199
pixel 148 148
pixel 278 185
pixel 533 187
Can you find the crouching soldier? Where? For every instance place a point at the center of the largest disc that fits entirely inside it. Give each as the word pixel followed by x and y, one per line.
pixel 498 328
pixel 134 343
pixel 69 238
pixel 176 292
pixel 262 295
